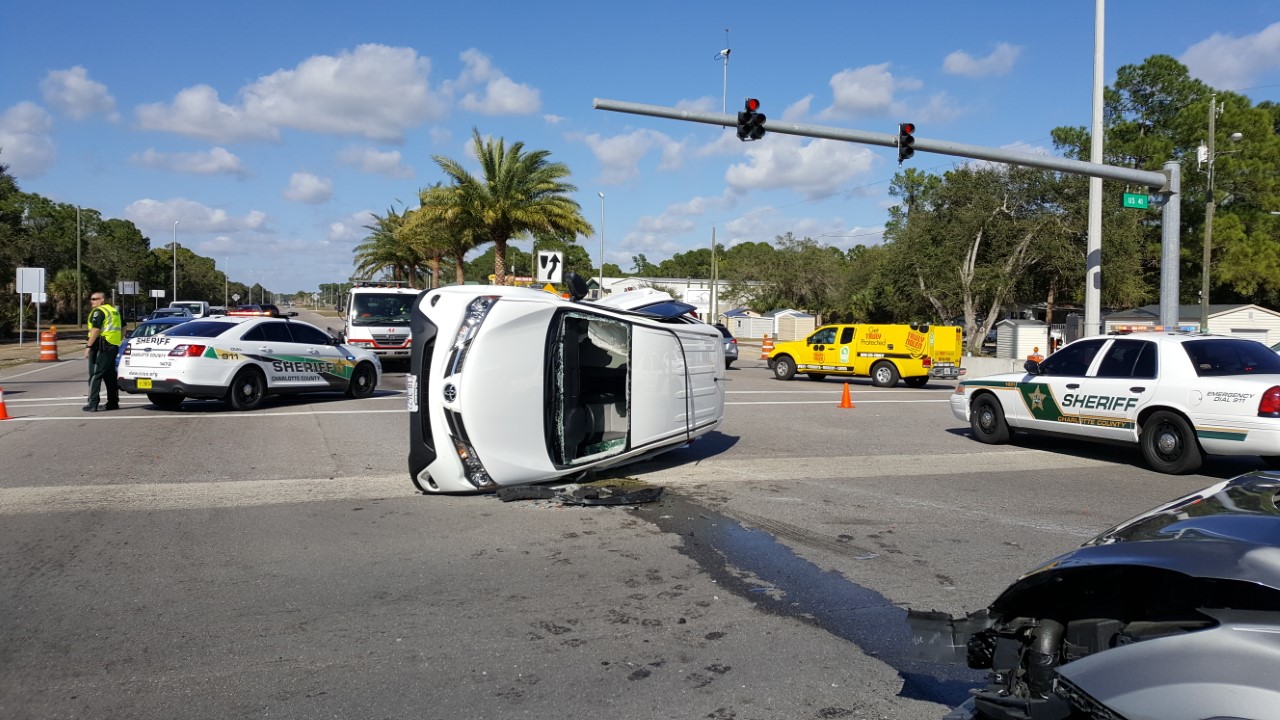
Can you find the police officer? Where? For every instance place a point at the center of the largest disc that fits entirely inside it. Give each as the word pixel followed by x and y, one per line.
pixel 106 332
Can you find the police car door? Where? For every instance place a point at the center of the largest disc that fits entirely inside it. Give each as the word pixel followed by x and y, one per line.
pixel 330 364
pixel 1047 400
pixel 1108 401
pixel 271 347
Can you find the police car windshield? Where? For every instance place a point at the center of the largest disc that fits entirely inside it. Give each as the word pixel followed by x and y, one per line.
pixel 1216 357
pixel 199 328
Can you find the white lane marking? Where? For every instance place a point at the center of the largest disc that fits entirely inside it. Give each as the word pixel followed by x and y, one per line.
pixel 828 392
pixel 176 414
pixel 198 495
pixel 30 372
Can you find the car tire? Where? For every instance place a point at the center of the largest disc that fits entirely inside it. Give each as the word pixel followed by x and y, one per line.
pixel 986 418
pixel 918 381
pixel 884 374
pixel 247 390
pixel 817 377
pixel 784 368
pixel 364 380
pixel 1169 444
pixel 165 401
pixel 728 364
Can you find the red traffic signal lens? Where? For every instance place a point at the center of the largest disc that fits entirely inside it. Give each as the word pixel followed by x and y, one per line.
pixel 906 128
pixel 752 105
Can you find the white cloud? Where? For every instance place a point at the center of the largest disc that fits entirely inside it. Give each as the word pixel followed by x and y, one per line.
pixel 373 91
pixel 72 92
pixel 26 144
pixel 156 217
pixel 868 90
pixel 705 104
pixel 814 168
pixel 620 155
pixel 656 235
pixel 1230 63
pixel 198 112
pixel 215 161
pixel 373 161
pixel 999 62
pixel 498 94
pixel 351 228
pixel 552 119
pixel 309 189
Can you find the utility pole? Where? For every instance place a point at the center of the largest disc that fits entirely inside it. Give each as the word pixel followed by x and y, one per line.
pixel 1208 220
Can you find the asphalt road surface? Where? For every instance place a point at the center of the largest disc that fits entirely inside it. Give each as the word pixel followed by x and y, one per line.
pixel 211 564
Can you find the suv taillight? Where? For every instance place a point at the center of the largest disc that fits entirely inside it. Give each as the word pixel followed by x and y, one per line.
pixel 187 351
pixel 1269 405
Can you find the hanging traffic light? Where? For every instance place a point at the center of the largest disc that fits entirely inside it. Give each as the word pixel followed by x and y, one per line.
pixel 905 141
pixel 750 122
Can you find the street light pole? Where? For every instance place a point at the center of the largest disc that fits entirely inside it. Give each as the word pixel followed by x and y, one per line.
pixel 601 243
pixel 175 260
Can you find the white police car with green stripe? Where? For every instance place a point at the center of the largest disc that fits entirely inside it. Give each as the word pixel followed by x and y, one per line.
pixel 1179 396
pixel 242 360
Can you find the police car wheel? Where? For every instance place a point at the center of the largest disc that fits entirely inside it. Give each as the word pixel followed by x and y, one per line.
pixel 784 368
pixel 986 418
pixel 363 381
pixel 1169 445
pixel 165 401
pixel 247 390
pixel 884 374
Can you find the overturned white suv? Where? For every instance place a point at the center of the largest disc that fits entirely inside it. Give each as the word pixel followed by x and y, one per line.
pixel 509 385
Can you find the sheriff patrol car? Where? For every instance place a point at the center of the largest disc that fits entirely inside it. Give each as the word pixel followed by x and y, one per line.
pixel 1178 396
pixel 242 360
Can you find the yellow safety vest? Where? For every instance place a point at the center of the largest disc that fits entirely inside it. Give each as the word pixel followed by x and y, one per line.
pixel 112 328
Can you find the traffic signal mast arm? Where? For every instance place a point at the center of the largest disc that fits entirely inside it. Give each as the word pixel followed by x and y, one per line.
pixel 1147 178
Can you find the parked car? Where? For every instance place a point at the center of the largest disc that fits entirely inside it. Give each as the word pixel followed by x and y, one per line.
pixel 1176 396
pixel 242 360
pixel 256 310
pixel 511 385
pixel 1174 614
pixel 730 345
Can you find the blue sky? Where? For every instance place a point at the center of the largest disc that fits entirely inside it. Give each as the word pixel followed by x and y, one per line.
pixel 270 130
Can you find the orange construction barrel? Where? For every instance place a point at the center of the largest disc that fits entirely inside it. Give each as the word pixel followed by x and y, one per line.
pixel 49 346
pixel 766 347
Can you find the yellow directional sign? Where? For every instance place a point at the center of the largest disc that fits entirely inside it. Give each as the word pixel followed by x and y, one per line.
pixel 549 288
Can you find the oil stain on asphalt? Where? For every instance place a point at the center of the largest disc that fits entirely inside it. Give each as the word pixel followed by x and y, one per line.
pixel 790 586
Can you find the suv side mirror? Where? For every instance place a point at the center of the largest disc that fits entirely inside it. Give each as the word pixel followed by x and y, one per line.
pixel 577 286
pixel 1032 367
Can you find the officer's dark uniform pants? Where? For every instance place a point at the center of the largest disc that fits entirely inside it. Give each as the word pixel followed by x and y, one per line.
pixel 102 369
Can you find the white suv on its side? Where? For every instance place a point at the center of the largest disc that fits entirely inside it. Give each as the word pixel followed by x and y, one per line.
pixel 511 385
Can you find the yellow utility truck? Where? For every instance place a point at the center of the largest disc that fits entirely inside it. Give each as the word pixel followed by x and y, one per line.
pixel 885 353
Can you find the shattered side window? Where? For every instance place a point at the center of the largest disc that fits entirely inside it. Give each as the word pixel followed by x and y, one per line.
pixel 590 359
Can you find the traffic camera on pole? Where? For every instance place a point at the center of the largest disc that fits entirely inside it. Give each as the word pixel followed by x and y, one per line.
pixel 905 141
pixel 750 122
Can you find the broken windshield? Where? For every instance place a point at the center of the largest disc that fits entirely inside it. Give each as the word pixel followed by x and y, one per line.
pixel 589 386
pixel 388 309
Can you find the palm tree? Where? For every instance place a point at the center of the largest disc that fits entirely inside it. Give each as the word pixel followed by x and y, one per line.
pixel 438 238
pixel 518 193
pixel 384 250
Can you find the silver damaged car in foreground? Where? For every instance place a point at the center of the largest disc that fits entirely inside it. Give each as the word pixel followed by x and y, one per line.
pixel 1173 615
pixel 511 385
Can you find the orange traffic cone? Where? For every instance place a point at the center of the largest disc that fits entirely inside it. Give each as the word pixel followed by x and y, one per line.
pixel 845 400
pixel 4 414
